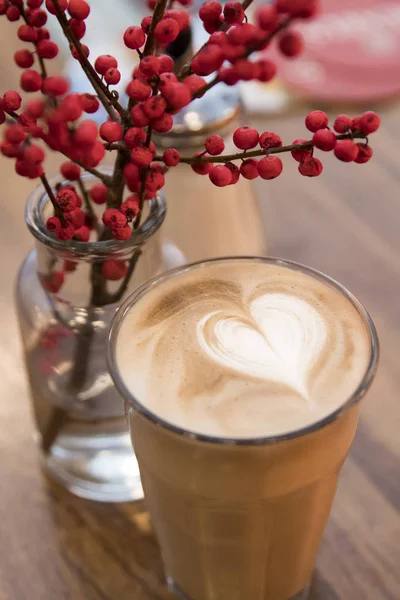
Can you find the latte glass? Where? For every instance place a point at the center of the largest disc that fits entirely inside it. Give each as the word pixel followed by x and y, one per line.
pixel 240 519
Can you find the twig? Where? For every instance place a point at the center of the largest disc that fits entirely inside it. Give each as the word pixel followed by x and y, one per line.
pixel 57 210
pixel 308 145
pixel 105 95
pixel 157 16
pixel 89 207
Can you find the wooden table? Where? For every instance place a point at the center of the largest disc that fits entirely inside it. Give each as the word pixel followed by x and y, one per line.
pixel 54 546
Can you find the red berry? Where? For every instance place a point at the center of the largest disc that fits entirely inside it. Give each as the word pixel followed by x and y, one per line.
pixel 135 137
pixel 268 139
pixel 26 33
pixel 163 124
pixel 246 69
pixel 317 119
pixel 245 34
pixel 365 153
pixel 177 95
pixel 112 76
pixel 13 13
pixel 78 9
pixel 134 38
pixel 66 231
pixel 139 117
pixel 85 134
pixel 149 66
pixel 47 49
pixel 342 124
pixel 12 101
pixel 54 281
pixel 155 107
pixel 266 70
pixel 25 169
pixel 300 155
pixel 291 43
pixel 166 64
pixel 202 168
pixel 112 217
pixel 111 131
pixel 89 103
pixel 138 90
pixel 10 150
pixel 235 172
pixel 181 17
pixel 37 18
pixel 219 38
pixel 155 181
pixel 34 3
pixel 356 124
pixel 248 168
pixel 310 167
pixel 31 81
pixel 34 154
pixel 146 24
pixel 76 54
pixel 132 176
pixel 113 270
pixel 130 208
pixel 267 17
pixel 121 233
pixel 209 59
pixel 220 175
pixel 233 12
pixel 35 109
pixel 78 28
pixel 55 85
pixel 245 138
pixel 214 145
pixel 53 224
pixel 303 9
pixel 324 139
pixel 70 171
pixel 167 78
pixel 98 193
pixel 43 34
pixel 229 76
pixel 269 167
pixel 66 199
pixel 369 122
pixel 76 217
pixel 166 31
pixel 95 155
pixel 71 107
pixel 82 234
pixel 24 58
pixel 346 150
pixel 195 83
pixel 105 62
pixel 141 156
pixel 15 134
pixel 51 8
pixel 210 11
pixel 171 157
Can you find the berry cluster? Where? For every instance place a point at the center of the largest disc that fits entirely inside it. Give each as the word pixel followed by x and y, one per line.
pixel 59 119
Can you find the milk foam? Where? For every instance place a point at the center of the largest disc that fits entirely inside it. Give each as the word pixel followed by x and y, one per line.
pixel 242 349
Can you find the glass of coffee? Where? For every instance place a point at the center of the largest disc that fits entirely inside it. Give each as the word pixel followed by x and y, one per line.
pixel 242 379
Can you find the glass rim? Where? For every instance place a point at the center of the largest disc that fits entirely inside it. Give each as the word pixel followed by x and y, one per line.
pixel 36 225
pixel 355 397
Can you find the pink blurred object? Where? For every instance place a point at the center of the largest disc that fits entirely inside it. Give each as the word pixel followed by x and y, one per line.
pixel 352 52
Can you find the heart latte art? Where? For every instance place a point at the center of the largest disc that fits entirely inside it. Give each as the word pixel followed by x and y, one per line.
pixel 242 349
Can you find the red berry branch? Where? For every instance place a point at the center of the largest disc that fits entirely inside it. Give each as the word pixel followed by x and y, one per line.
pixel 60 120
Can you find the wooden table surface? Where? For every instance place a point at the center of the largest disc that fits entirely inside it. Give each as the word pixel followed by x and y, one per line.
pixel 54 546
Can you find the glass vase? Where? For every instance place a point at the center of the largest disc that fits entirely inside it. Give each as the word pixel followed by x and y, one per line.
pixel 65 305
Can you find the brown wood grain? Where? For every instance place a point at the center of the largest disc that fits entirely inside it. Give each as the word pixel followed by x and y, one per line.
pixel 54 546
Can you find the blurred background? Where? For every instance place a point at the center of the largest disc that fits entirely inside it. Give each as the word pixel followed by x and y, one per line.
pixel 346 223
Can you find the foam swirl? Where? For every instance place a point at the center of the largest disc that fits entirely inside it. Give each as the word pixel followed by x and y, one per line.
pixel 242 349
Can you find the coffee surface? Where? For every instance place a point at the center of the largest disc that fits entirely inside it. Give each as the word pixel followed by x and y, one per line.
pixel 242 349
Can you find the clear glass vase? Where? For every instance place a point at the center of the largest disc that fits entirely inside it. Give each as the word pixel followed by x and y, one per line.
pixel 65 306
